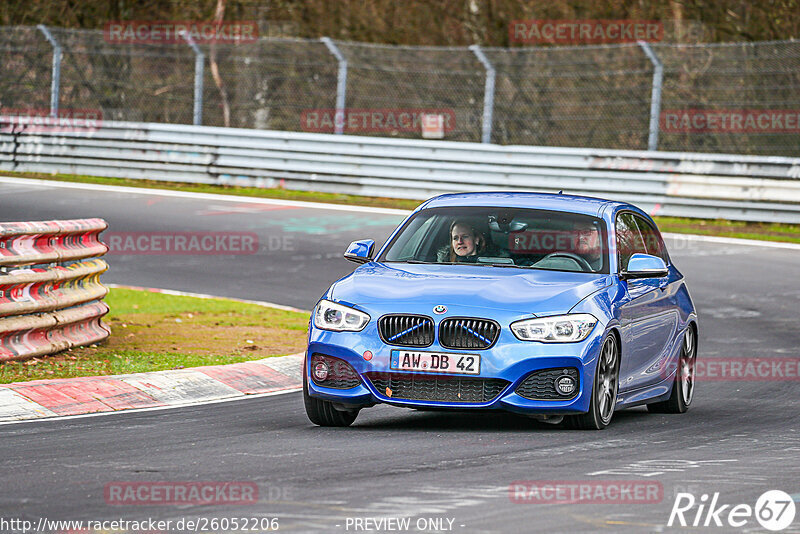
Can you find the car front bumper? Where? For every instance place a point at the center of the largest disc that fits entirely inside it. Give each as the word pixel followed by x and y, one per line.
pixel 509 360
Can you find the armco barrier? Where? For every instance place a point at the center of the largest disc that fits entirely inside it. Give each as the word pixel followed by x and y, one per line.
pixel 750 188
pixel 50 291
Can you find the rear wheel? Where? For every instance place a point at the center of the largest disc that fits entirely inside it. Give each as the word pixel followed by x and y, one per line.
pixel 322 413
pixel 683 385
pixel 604 390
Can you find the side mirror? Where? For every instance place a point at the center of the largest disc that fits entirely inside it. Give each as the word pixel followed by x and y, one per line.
pixel 360 251
pixel 644 266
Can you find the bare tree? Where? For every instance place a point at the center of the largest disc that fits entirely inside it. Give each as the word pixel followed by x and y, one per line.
pixel 219 14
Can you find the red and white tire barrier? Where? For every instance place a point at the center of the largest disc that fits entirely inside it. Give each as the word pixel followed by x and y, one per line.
pixel 50 290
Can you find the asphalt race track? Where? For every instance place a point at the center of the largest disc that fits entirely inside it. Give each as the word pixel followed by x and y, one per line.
pixel 299 251
pixel 740 438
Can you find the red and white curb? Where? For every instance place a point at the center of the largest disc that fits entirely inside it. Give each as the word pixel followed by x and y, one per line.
pixel 41 399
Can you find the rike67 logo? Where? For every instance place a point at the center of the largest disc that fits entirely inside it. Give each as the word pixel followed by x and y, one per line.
pixel 774 510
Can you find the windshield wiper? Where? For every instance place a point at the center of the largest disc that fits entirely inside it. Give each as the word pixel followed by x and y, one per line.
pixel 503 265
pixel 482 264
pixel 506 265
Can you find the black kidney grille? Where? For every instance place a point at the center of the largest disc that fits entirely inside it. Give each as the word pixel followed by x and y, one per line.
pixel 406 330
pixel 541 385
pixel 468 333
pixel 437 388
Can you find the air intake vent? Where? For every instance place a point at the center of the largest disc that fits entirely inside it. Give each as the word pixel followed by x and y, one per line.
pixel 341 374
pixel 406 330
pixel 541 385
pixel 468 333
pixel 437 388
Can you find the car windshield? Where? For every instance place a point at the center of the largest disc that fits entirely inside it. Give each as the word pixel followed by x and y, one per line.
pixel 502 237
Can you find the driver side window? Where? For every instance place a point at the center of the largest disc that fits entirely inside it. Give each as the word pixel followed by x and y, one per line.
pixel 629 239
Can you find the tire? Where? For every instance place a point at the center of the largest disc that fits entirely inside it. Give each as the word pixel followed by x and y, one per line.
pixel 321 412
pixel 683 385
pixel 604 390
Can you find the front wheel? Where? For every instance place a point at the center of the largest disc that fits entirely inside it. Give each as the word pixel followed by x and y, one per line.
pixel 604 390
pixel 321 412
pixel 683 385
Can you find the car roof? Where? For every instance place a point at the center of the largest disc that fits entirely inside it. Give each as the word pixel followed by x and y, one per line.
pixel 513 199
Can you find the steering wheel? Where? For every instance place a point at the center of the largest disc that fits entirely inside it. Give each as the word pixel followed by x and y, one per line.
pixel 574 257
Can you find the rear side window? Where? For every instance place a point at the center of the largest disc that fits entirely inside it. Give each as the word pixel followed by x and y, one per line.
pixel 652 239
pixel 629 239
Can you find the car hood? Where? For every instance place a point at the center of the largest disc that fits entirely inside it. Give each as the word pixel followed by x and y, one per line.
pixel 414 288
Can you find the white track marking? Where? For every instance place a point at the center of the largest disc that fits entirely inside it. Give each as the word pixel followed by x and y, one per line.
pixel 324 206
pixel 200 196
pixel 733 241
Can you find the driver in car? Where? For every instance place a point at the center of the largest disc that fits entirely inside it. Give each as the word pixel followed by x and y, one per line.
pixel 466 243
pixel 587 245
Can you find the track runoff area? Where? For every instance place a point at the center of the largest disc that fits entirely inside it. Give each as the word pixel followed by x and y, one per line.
pixel 403 470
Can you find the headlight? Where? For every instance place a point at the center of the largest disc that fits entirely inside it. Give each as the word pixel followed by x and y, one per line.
pixel 556 329
pixel 332 316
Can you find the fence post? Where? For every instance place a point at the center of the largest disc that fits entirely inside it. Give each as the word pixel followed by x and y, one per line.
pixel 341 84
pixel 488 94
pixel 199 65
pixel 655 99
pixel 55 82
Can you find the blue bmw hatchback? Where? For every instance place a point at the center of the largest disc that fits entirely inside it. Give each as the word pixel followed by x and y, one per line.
pixel 559 307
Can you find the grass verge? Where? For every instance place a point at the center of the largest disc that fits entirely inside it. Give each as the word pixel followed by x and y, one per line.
pixel 744 230
pixel 154 332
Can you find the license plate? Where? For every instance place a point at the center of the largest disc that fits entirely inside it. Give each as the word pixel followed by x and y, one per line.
pixel 435 362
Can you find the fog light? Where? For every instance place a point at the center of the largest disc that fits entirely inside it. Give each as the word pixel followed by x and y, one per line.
pixel 320 371
pixel 565 385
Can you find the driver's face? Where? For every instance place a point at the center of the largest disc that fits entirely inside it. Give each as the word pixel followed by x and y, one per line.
pixel 463 240
pixel 587 242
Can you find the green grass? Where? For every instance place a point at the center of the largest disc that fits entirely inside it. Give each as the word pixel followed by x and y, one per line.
pixel 154 332
pixel 789 233
pixel 745 230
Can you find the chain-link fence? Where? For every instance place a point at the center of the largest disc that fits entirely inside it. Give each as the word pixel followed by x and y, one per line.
pixel 589 96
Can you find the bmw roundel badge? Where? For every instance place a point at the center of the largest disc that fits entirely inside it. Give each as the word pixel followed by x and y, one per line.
pixel 439 309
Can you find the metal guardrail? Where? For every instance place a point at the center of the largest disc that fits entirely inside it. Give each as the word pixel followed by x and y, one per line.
pixel 736 187
pixel 50 291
